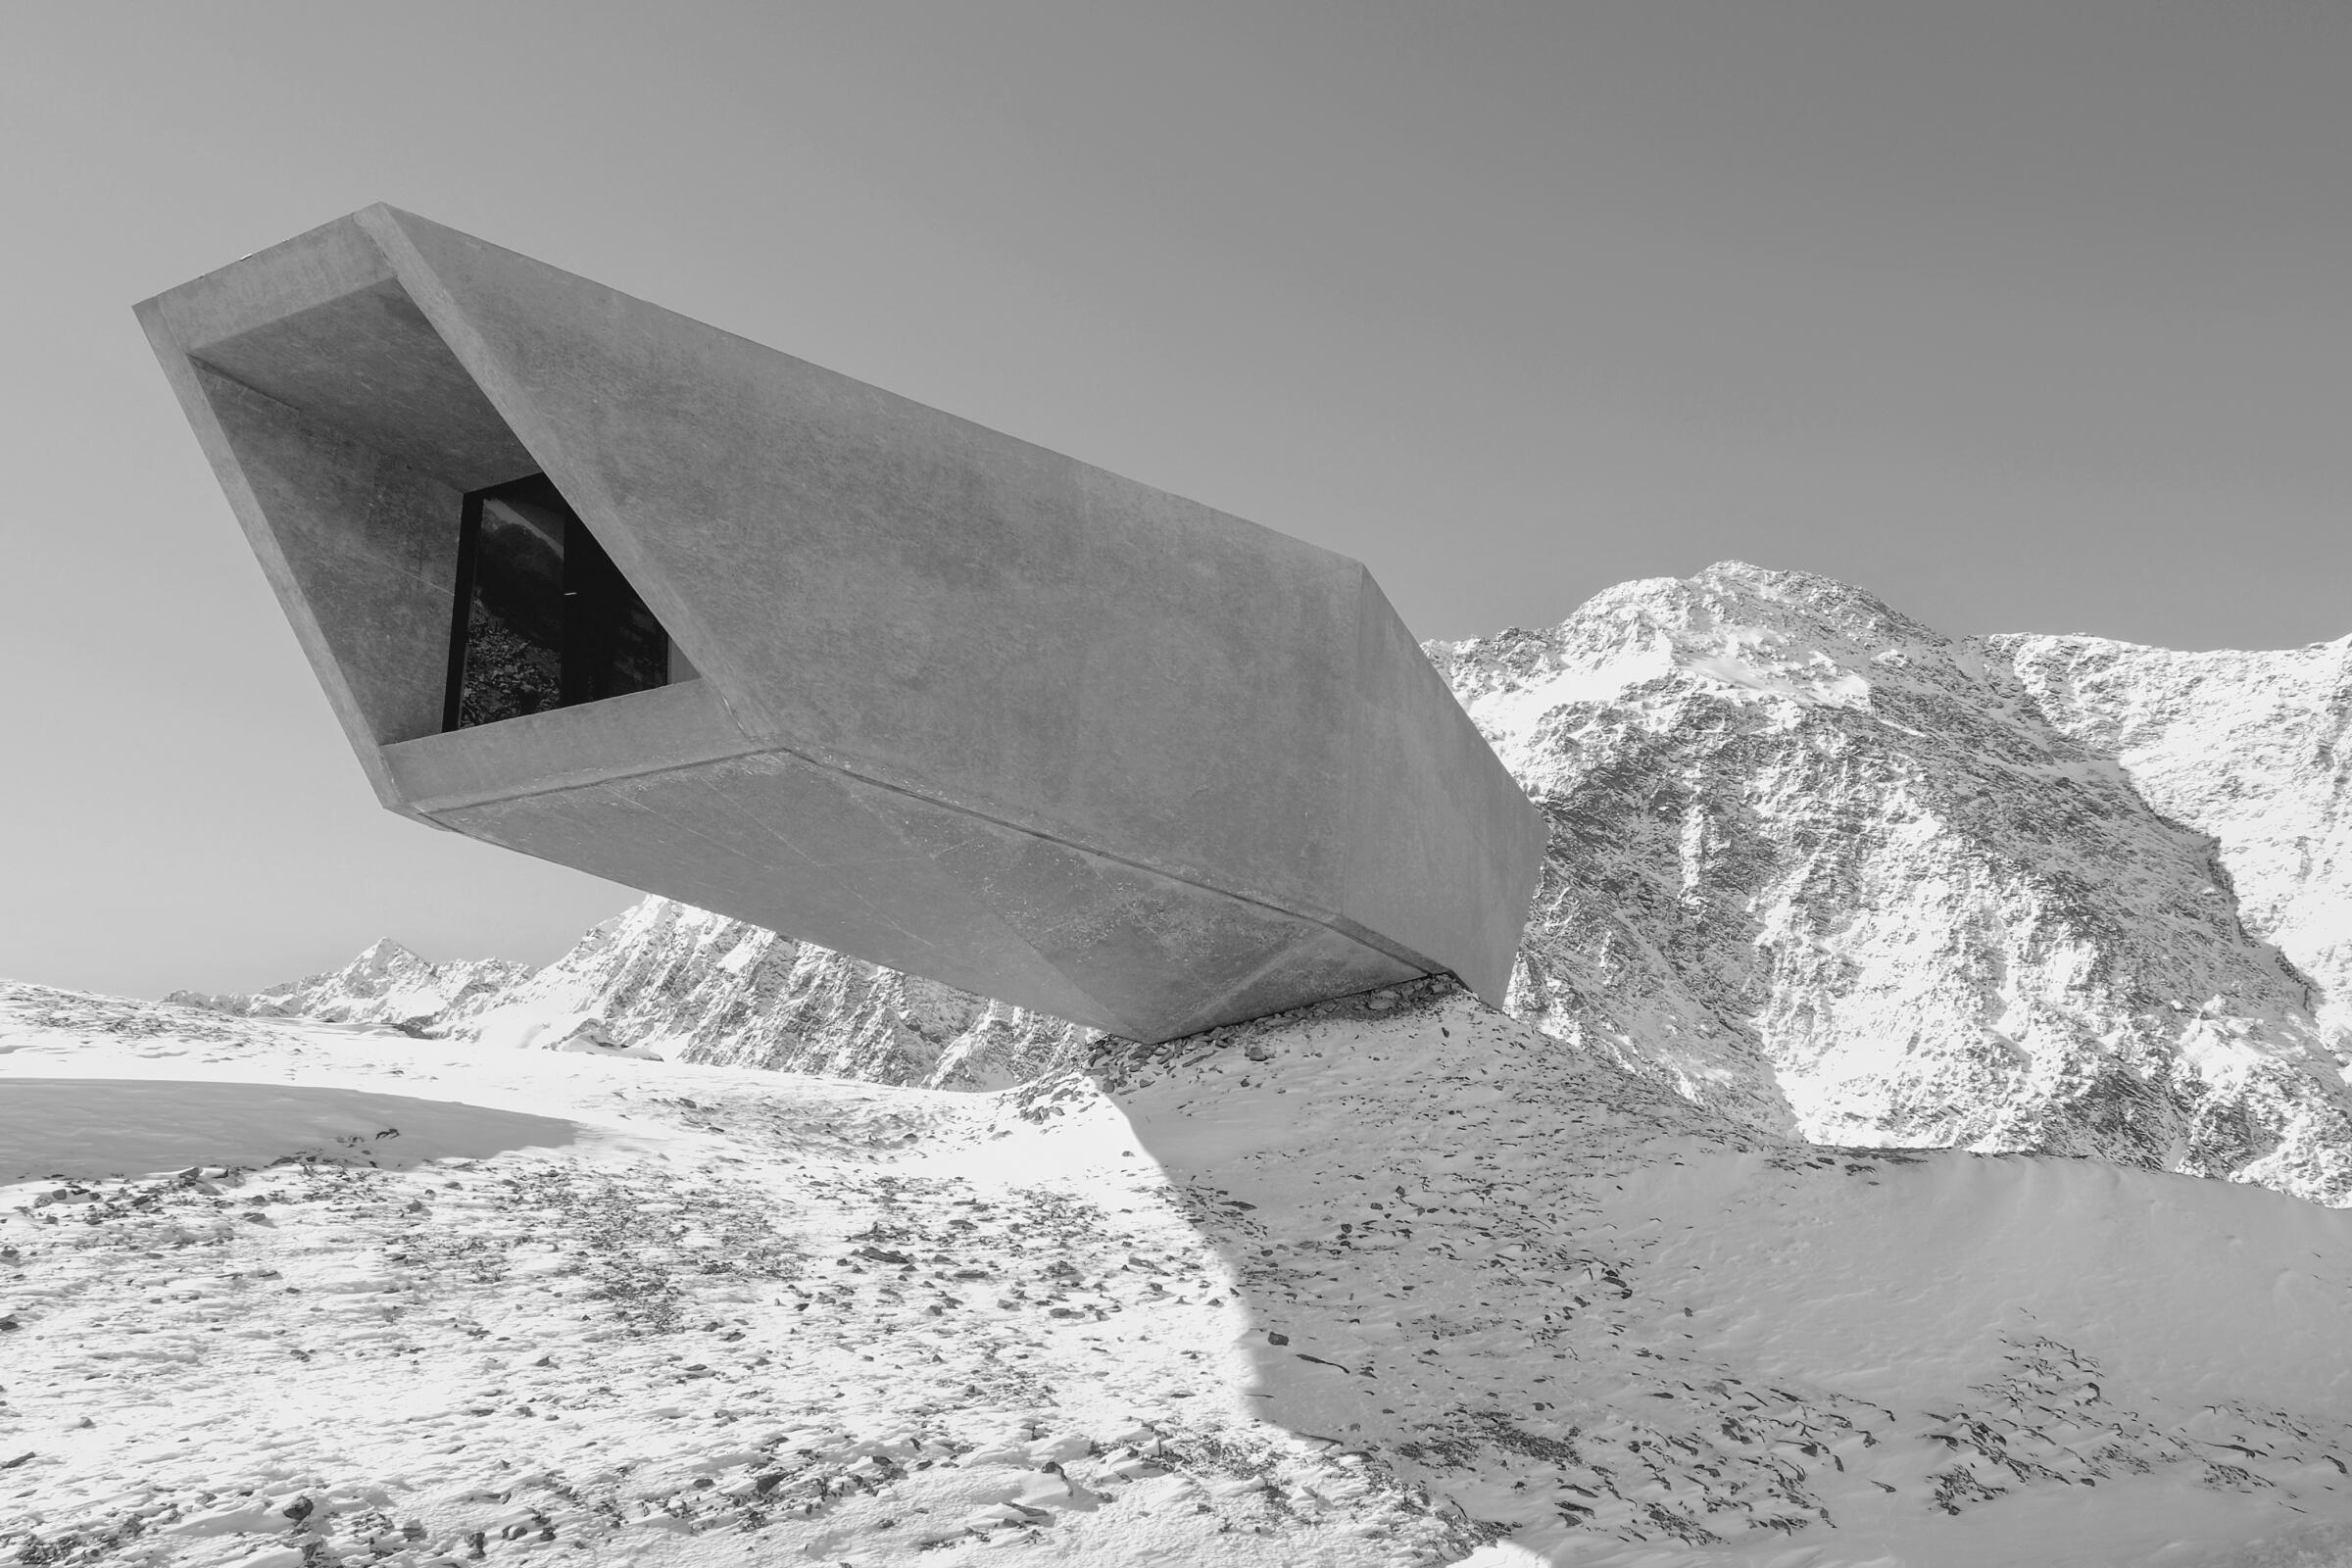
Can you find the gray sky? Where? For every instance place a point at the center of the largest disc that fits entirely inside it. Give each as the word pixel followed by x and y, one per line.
pixel 2027 315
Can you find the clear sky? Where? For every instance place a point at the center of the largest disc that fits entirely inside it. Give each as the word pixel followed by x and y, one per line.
pixel 2027 315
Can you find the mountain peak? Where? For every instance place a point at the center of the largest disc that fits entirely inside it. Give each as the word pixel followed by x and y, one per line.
pixel 383 954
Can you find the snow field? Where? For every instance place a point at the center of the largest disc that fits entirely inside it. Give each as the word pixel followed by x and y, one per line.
pixel 730 1316
pixel 1392 1281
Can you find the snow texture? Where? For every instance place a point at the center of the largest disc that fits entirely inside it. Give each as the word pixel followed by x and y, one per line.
pixel 1394 1279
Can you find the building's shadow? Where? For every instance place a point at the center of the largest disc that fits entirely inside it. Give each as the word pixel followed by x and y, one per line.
pixel 1413 1192
pixel 1575 1308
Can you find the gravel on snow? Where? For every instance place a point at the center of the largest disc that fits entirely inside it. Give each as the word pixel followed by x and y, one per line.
pixel 1392 1281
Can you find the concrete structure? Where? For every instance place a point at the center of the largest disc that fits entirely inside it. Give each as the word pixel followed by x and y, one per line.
pixel 933 696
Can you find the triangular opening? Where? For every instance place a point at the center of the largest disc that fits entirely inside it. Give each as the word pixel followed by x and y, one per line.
pixel 542 617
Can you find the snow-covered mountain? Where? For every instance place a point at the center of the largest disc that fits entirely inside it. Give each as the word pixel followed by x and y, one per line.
pixel 2254 750
pixel 667 979
pixel 385 985
pixel 1833 872
pixel 1817 867
pixel 698 987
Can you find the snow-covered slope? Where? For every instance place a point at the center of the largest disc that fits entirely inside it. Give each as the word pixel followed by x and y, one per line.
pixel 1835 873
pixel 1394 1281
pixel 2254 750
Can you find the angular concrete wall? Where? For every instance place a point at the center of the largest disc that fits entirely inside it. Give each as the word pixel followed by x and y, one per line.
pixel 967 706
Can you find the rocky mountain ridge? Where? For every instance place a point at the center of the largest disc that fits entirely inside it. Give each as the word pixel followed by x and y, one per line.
pixel 387 984
pixel 1813 864
pixel 667 979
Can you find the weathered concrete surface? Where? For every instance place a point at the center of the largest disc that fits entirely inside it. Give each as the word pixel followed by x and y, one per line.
pixel 969 708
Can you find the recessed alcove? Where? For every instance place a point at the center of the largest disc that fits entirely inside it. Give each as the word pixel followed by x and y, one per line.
pixel 455 583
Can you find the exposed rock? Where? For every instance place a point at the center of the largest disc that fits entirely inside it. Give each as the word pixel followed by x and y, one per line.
pixel 694 986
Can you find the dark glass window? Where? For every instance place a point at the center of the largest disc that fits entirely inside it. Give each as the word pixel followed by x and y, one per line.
pixel 544 619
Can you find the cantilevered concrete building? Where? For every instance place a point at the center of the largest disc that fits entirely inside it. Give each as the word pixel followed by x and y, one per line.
pixel 601 585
